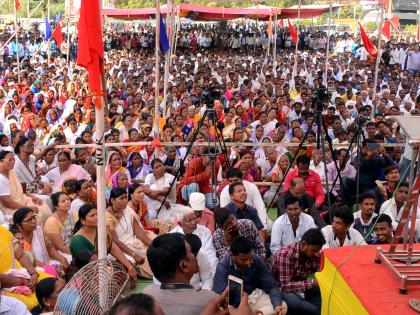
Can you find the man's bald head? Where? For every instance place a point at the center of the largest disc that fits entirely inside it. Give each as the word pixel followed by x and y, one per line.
pixel 297 187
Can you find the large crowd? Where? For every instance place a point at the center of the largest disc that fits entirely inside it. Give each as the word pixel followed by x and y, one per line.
pixel 189 219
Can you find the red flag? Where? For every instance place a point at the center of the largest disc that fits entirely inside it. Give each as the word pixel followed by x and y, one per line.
pixel 386 30
pixel 293 32
pixel 281 23
pixel 367 43
pixel 17 4
pixel 90 54
pixel 58 35
pixel 395 21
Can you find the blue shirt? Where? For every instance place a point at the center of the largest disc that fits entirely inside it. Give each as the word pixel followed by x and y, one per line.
pixel 247 213
pixel 256 276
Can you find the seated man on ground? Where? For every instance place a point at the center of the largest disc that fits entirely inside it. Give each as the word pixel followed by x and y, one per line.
pixel 364 219
pixel 188 225
pixel 205 216
pixel 393 207
pixel 383 230
pixel 312 180
pixel 241 210
pixel 290 227
pixel 298 190
pixel 340 233
pixel 293 268
pixel 259 284
pixel 174 264
pixel 229 228
pixel 253 197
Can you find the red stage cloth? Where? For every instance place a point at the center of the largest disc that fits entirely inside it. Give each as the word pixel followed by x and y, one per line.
pixel 376 285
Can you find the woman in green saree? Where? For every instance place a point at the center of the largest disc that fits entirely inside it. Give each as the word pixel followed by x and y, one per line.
pixel 85 241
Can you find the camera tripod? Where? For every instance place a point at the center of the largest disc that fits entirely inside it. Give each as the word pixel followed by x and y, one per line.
pixel 213 144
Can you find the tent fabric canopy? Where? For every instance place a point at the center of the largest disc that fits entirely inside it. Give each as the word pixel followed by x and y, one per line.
pixel 203 13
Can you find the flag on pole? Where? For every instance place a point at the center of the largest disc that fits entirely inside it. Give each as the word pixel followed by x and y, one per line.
pixel 58 34
pixel 293 32
pixel 55 19
pixel 90 54
pixel 47 29
pixel 367 43
pixel 281 23
pixel 61 15
pixel 164 42
pixel 386 30
pixel 395 22
pixel 17 4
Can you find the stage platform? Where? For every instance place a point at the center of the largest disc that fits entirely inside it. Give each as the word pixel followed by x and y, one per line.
pixel 362 286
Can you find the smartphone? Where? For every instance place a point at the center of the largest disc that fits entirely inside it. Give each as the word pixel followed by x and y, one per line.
pixel 236 286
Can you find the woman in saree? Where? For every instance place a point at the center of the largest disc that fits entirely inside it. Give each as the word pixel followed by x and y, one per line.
pixel 137 168
pixel 114 165
pixel 59 226
pixel 120 180
pixel 276 177
pixel 85 239
pixel 41 252
pixel 12 196
pixel 65 170
pixel 127 232
pixel 85 194
pixel 13 258
pixel 157 185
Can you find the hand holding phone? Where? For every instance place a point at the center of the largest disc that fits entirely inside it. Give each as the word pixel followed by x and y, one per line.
pixel 235 289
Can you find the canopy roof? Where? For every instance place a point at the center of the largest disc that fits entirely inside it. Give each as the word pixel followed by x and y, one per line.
pixel 203 13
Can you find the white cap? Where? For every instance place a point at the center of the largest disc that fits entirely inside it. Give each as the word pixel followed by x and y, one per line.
pixel 197 201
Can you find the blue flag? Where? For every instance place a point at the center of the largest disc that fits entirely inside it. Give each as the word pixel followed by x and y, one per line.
pixel 61 15
pixel 164 42
pixel 47 29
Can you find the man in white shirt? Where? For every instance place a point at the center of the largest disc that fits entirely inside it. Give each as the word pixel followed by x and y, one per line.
pixel 188 225
pixel 340 233
pixel 12 306
pixel 393 207
pixel 253 199
pixel 290 227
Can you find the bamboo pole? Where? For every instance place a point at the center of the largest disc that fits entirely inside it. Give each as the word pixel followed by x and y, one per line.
pixel 157 71
pixel 17 43
pixel 328 45
pixel 378 57
pixel 297 41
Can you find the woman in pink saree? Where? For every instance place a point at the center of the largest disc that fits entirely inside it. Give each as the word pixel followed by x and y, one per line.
pixel 65 170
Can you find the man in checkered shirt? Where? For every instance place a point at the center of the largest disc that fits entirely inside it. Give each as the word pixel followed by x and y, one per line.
pixel 292 267
pixel 229 228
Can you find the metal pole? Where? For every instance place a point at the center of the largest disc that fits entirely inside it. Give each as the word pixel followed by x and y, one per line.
pixel 157 71
pixel 17 44
pixel 167 55
pixel 328 45
pixel 297 40
pixel 68 31
pixel 275 39
pixel 379 55
pixel 48 41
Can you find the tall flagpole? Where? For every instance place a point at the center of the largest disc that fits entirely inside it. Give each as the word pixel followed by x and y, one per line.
pixel 379 55
pixel 48 41
pixel 157 71
pixel 297 40
pixel 275 37
pixel 328 46
pixel 169 5
pixel 17 43
pixel 100 165
pixel 68 32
